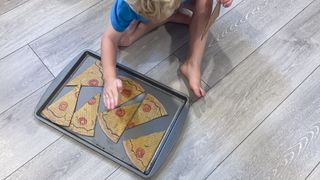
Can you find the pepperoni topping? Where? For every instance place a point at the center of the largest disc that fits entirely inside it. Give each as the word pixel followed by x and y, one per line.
pixel 82 120
pixel 131 125
pixel 126 92
pixel 77 94
pixel 93 82
pixel 92 101
pixel 63 106
pixel 139 152
pixel 120 112
pixel 146 108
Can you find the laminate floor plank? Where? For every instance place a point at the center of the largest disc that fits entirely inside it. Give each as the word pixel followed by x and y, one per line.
pixel 236 35
pixel 22 136
pixel 66 159
pixel 7 5
pixel 286 145
pixel 21 74
pixel 84 31
pixel 35 18
pixel 232 109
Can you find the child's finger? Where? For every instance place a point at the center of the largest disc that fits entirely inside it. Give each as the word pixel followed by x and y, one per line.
pixel 116 93
pixel 202 92
pixel 111 100
pixel 116 97
pixel 197 92
pixel 104 101
pixel 107 100
pixel 119 85
pixel 228 4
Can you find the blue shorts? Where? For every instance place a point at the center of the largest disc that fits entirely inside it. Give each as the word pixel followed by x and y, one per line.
pixel 122 15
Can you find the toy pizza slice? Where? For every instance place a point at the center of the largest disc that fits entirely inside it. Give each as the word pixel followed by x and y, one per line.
pixel 130 89
pixel 114 122
pixel 150 108
pixel 90 77
pixel 61 111
pixel 84 120
pixel 141 150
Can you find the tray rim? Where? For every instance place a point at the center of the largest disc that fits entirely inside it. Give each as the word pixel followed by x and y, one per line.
pixel 57 84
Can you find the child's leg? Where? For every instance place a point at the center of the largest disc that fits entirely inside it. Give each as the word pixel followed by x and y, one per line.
pixel 134 32
pixel 191 68
pixel 125 38
pixel 138 29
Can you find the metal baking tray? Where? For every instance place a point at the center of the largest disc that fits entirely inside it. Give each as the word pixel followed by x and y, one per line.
pixel 176 104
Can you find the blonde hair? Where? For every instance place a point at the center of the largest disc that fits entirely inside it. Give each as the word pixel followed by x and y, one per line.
pixel 156 10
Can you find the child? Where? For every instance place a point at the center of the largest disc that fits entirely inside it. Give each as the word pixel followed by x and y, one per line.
pixel 130 19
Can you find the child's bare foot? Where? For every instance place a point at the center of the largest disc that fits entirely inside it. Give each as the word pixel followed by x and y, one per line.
pixel 192 73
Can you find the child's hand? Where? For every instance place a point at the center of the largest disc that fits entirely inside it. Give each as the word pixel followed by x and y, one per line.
pixel 226 3
pixel 111 90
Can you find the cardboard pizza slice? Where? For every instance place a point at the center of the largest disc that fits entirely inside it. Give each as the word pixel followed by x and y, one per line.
pixel 61 111
pixel 130 89
pixel 92 76
pixel 84 120
pixel 114 122
pixel 141 150
pixel 150 109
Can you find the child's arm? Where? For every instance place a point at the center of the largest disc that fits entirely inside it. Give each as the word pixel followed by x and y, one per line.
pixel 112 85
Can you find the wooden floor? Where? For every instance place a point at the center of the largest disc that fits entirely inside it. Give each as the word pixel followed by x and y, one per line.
pixel 259 120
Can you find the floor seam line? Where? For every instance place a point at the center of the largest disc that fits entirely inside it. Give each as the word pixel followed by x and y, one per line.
pixel 18 49
pixel 14 8
pixel 24 98
pixel 64 22
pixel 41 61
pixel 34 156
pixel 317 165
pixel 162 60
pixel 113 172
pixel 37 38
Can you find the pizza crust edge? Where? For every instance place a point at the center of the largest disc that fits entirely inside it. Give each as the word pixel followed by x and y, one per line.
pixel 128 146
pixel 57 120
pixel 112 136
